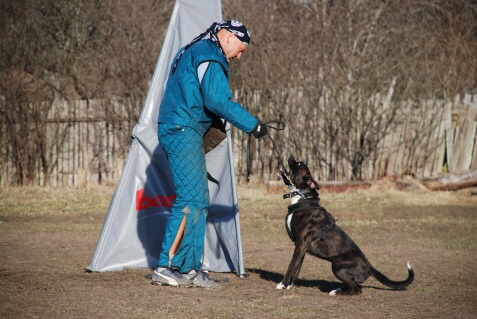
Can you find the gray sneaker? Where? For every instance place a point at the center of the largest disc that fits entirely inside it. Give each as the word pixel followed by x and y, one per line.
pixel 202 280
pixel 170 277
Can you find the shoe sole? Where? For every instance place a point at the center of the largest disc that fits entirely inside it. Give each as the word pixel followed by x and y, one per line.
pixel 171 283
pixel 157 283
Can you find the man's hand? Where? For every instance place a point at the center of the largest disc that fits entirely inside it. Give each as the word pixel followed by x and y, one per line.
pixel 260 130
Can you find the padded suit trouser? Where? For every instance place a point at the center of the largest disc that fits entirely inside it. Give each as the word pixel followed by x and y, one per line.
pixel 184 151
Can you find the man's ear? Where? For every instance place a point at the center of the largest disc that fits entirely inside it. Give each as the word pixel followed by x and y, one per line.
pixel 230 36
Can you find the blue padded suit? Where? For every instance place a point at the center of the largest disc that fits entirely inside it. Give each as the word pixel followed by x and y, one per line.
pixel 186 113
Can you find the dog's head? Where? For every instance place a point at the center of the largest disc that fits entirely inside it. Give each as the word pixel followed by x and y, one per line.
pixel 300 175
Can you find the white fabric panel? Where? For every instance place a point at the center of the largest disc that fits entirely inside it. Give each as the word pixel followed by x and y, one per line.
pixel 132 232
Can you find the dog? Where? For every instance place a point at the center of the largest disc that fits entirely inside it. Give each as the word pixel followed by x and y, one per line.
pixel 314 231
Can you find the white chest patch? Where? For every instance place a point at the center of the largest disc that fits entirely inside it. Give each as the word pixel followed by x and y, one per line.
pixel 289 219
pixel 295 199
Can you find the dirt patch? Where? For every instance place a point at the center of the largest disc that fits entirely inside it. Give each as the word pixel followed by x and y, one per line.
pixel 47 238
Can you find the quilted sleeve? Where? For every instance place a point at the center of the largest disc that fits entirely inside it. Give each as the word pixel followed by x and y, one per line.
pixel 218 99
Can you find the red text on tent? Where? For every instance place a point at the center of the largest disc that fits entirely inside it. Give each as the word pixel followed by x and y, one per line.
pixel 144 202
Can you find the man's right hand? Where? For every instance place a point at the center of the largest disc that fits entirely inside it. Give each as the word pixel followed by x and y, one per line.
pixel 260 130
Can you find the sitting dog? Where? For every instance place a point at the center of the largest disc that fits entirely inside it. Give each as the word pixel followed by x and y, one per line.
pixel 314 231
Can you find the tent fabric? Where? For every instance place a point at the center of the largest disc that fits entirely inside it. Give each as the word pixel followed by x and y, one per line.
pixel 134 226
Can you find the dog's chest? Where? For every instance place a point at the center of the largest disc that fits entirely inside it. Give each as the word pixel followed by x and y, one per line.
pixel 308 216
pixel 304 212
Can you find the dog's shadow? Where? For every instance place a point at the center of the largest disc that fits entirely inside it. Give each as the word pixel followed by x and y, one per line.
pixel 322 285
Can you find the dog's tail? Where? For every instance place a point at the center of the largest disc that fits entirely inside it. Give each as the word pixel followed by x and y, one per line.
pixel 391 283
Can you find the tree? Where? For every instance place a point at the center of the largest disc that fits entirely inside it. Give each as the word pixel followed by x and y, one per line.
pixel 351 63
pixel 69 51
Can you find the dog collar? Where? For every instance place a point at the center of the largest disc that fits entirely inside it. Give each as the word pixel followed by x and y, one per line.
pixel 303 193
pixel 293 194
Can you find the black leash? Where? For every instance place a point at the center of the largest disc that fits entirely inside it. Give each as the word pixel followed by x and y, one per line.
pixel 280 127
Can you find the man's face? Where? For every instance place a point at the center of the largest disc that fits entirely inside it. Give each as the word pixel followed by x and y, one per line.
pixel 233 47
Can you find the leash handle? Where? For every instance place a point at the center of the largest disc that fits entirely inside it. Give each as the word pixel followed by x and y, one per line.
pixel 281 125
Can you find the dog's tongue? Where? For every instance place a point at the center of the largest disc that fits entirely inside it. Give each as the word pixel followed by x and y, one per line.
pixel 311 184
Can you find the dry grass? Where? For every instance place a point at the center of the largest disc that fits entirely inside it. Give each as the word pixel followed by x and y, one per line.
pixel 47 237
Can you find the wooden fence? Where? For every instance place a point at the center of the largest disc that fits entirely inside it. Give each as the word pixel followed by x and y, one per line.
pixel 89 142
pixel 426 138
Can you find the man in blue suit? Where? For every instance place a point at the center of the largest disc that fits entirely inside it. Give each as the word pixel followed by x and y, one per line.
pixel 197 93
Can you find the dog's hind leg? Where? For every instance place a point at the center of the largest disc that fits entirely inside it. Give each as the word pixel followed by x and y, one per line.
pixel 353 290
pixel 294 267
pixel 353 287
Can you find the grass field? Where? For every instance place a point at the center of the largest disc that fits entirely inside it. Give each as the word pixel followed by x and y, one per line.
pixel 48 236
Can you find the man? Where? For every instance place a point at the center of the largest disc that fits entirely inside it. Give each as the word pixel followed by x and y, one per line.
pixel 197 92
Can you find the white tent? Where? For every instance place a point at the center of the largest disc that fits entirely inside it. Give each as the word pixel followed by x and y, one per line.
pixel 132 232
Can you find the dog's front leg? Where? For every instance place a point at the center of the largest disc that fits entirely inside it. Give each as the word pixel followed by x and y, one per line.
pixel 294 267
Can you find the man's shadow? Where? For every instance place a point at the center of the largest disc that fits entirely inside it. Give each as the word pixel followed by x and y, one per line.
pixel 154 206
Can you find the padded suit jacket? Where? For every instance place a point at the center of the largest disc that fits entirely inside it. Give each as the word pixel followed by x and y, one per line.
pixel 189 103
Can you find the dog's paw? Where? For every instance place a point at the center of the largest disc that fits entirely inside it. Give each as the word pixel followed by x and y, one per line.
pixel 282 286
pixel 334 292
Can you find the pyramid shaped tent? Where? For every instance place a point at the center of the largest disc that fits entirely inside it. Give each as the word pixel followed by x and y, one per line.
pixel 134 226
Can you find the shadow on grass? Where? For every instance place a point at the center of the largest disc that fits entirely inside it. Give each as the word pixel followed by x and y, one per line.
pixel 322 285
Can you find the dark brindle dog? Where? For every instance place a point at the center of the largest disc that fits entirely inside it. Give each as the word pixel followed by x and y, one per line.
pixel 314 231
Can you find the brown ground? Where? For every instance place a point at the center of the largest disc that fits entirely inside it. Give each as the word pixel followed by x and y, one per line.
pixel 47 237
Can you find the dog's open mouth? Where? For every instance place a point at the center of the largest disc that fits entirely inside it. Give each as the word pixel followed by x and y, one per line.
pixel 312 184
